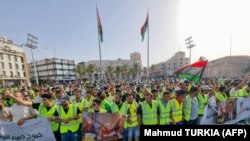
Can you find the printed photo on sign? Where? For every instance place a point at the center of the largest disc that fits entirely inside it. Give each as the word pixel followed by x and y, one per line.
pixel 230 110
pixel 226 111
pixel 102 126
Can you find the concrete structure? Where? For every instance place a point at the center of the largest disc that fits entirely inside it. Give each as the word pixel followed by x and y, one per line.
pixel 168 67
pixel 135 58
pixel 54 69
pixel 234 66
pixel 13 64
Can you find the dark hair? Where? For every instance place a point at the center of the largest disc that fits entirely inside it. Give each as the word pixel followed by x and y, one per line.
pixel 166 93
pixel 222 88
pixel 119 94
pixel 153 91
pixel 47 96
pixel 97 101
pixel 180 92
pixel 193 89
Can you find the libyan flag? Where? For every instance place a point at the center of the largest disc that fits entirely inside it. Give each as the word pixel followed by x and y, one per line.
pixel 144 28
pixel 99 24
pixel 192 72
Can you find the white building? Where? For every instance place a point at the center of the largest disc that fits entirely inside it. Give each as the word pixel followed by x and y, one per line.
pixel 13 65
pixel 135 58
pixel 54 69
pixel 234 66
pixel 170 66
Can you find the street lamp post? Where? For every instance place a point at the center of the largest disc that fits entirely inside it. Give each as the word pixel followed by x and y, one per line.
pixel 190 45
pixel 32 42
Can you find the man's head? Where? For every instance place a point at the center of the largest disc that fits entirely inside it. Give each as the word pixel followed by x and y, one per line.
pixel 59 94
pixel 154 93
pixel 129 98
pixel 194 91
pixel 148 98
pixel 88 94
pixel 47 99
pixel 64 101
pixel 77 93
pixel 96 104
pixel 181 94
pixel 205 89
pixel 118 98
pixel 166 96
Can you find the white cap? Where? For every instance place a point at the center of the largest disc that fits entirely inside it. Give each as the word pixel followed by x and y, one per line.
pixel 177 89
pixel 205 87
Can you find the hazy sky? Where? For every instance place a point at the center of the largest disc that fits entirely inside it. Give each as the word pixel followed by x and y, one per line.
pixel 70 26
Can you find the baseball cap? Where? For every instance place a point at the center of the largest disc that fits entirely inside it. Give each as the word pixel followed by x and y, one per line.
pixel 205 87
pixel 63 98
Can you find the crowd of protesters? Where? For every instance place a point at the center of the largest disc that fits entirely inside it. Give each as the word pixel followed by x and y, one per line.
pixel 159 102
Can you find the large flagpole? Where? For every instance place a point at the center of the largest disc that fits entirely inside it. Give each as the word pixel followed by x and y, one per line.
pixel 148 47
pixel 100 52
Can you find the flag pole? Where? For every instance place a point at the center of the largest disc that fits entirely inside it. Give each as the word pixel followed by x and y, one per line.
pixel 100 52
pixel 148 47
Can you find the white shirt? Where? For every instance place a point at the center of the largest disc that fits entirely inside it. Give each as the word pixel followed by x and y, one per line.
pixel 20 111
pixel 212 103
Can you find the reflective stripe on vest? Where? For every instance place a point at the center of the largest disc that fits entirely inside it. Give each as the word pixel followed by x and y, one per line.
pixel 133 114
pixel 73 125
pixel 149 115
pixel 176 110
pixel 42 111
pixel 187 108
pixel 164 113
pixel 202 102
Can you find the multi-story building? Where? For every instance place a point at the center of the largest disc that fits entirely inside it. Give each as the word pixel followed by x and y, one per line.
pixel 54 69
pixel 135 58
pixel 170 66
pixel 229 66
pixel 13 65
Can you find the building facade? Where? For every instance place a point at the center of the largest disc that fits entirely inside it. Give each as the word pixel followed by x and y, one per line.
pixel 13 63
pixel 168 67
pixel 54 69
pixel 135 60
pixel 234 66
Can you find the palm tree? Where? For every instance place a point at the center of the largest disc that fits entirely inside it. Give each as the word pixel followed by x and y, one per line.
pixel 118 72
pixel 153 69
pixel 80 70
pixel 144 70
pixel 136 70
pixel 110 71
pixel 124 70
pixel 90 70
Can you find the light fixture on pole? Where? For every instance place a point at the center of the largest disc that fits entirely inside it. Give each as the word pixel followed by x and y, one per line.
pixel 190 45
pixel 32 42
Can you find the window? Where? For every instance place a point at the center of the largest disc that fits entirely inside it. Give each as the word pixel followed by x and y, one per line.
pixel 4 73
pixel 17 67
pixel 18 74
pixel 16 58
pixel 2 63
pixel 9 57
pixel 24 74
pixel 11 74
pixel 10 66
pixel 23 66
pixel 21 59
pixel 1 56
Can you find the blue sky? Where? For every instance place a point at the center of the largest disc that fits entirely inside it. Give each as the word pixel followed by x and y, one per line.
pixel 70 26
